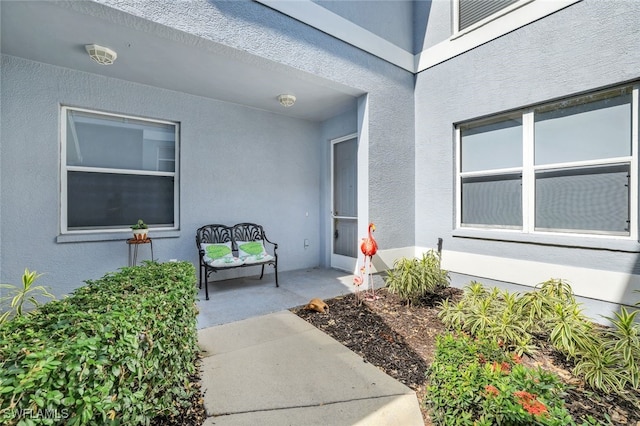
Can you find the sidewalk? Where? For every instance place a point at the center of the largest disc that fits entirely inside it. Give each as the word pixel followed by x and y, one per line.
pixel 277 369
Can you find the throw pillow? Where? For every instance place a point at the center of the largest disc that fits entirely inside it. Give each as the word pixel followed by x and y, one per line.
pixel 220 255
pixel 253 251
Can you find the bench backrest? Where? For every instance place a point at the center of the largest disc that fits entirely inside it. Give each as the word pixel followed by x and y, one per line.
pixel 215 234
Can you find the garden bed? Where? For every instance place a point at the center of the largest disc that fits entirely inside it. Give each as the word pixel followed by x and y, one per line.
pixel 401 340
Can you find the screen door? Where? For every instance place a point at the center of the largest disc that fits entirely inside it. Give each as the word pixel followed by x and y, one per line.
pixel 344 198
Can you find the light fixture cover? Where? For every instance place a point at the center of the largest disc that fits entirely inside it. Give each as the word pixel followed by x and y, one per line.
pixel 286 100
pixel 100 54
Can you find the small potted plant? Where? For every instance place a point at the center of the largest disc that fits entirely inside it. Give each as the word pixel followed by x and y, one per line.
pixel 140 230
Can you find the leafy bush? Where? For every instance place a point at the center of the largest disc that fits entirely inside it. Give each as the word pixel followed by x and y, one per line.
pixel 607 358
pixel 477 383
pixel 413 278
pixel 494 314
pixel 120 350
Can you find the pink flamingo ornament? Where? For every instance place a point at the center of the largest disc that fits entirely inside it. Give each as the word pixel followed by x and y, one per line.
pixel 369 248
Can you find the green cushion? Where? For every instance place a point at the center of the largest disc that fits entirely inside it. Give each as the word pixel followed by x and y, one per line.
pixel 216 251
pixel 252 247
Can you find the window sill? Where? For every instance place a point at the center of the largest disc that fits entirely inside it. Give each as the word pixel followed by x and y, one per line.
pixel 621 244
pixel 113 236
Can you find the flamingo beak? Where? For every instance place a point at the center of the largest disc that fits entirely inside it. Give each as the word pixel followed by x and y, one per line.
pixel 373 227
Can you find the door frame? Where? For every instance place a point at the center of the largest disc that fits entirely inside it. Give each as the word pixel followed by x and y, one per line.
pixel 337 261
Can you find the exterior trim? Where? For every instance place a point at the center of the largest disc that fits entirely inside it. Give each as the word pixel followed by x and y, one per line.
pixel 615 287
pixel 336 26
pixel 520 14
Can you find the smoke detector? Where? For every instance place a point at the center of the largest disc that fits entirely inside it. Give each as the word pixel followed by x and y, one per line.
pixel 100 54
pixel 286 100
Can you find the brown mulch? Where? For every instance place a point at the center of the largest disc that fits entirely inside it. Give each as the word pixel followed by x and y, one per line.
pixel 400 340
pixel 191 413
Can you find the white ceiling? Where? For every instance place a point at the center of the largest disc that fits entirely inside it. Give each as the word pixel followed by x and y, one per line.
pixel 162 57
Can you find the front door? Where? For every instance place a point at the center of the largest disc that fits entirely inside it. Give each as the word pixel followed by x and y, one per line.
pixel 344 199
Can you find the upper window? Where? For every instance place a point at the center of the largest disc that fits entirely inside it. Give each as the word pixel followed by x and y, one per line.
pixel 116 170
pixel 473 11
pixel 566 167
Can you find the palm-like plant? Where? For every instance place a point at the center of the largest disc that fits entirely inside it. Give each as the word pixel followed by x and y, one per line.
pixel 572 333
pixel 453 316
pixel 624 340
pixel 600 370
pixel 19 296
pixel 413 278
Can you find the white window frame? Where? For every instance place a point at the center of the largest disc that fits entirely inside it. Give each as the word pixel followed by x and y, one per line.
pixel 64 168
pixel 529 169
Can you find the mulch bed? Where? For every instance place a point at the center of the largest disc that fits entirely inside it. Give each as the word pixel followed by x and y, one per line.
pixel 400 340
pixel 189 414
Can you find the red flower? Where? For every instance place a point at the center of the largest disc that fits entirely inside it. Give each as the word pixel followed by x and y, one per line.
pixel 530 403
pixel 517 358
pixel 491 390
pixel 503 367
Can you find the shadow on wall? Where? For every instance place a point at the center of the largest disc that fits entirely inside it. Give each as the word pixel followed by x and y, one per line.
pixel 421 12
pixel 262 16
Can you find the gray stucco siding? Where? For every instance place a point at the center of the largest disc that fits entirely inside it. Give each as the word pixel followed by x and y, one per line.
pixel 237 164
pixel 248 26
pixel 226 151
pixel 549 59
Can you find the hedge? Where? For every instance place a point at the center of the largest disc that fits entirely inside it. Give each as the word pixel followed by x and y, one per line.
pixel 119 350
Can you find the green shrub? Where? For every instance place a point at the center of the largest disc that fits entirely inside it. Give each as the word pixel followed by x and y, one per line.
pixel 605 357
pixel 413 278
pixel 120 350
pixel 476 383
pixel 494 314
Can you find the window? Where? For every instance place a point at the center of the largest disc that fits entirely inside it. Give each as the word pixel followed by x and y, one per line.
pixel 117 169
pixel 473 11
pixel 566 167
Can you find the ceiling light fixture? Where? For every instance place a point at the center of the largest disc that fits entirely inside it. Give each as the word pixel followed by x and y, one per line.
pixel 287 100
pixel 100 54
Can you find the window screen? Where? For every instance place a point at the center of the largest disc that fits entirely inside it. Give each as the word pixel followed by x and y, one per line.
pixel 585 199
pixel 492 200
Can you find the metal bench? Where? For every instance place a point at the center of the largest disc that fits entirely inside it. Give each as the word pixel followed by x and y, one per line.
pixel 222 247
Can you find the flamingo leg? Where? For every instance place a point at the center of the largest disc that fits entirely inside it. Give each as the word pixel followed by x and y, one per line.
pixel 373 288
pixel 372 292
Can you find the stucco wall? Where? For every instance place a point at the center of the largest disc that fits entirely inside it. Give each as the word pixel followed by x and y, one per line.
pixel 391 20
pixel 551 58
pixel 434 23
pixel 238 164
pixel 252 27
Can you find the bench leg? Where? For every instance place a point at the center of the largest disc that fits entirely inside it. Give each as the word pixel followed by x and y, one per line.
pixel 275 268
pixel 262 273
pixel 206 284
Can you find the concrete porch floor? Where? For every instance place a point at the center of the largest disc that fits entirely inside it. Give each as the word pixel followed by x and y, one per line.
pixel 241 298
pixel 264 365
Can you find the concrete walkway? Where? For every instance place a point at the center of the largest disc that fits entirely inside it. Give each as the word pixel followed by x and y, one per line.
pixel 241 298
pixel 279 370
pixel 264 365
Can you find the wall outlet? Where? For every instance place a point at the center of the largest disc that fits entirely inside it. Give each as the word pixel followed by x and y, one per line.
pixel 306 243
